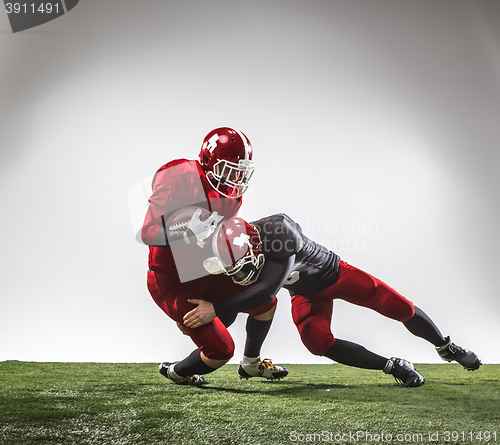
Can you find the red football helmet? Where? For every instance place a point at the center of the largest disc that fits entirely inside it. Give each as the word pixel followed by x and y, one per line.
pixel 226 158
pixel 236 246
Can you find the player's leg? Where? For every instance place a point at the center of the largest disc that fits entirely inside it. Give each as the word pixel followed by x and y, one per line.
pixel 422 326
pixel 258 324
pixel 227 319
pixel 257 328
pixel 215 348
pixel 215 345
pixel 363 289
pixel 352 354
pixel 313 318
pixel 191 370
pixel 312 315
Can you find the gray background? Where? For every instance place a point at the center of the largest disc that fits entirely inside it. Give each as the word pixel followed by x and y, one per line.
pixel 374 124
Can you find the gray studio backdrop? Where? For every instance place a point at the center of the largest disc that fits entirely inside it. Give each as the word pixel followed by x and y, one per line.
pixel 374 124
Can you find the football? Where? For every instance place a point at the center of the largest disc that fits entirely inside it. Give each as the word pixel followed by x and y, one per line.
pixel 188 258
pixel 179 219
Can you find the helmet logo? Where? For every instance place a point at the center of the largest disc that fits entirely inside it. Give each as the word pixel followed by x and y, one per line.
pixel 293 278
pixel 212 143
pixel 241 240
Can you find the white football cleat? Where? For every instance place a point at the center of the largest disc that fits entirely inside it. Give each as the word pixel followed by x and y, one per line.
pixel 261 368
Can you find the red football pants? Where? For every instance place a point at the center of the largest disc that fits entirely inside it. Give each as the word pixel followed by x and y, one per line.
pixel 312 313
pixel 212 338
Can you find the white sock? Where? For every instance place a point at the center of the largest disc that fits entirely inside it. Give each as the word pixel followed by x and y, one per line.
pixel 249 360
pixel 172 374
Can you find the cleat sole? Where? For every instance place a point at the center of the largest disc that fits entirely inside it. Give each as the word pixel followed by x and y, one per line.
pixel 475 366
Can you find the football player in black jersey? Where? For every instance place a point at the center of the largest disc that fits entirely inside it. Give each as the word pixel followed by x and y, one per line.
pixel 272 253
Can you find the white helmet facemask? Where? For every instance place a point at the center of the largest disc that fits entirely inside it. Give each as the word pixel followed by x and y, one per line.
pixel 231 179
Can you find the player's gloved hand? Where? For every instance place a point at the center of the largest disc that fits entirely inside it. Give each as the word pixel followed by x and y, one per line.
pixel 203 229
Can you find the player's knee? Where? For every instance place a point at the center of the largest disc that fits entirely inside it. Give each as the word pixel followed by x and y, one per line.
pixel 317 348
pixel 399 309
pixel 265 312
pixel 219 355
pixel 407 311
pixel 316 340
pixel 266 316
pixel 220 352
pixel 320 349
pixel 216 364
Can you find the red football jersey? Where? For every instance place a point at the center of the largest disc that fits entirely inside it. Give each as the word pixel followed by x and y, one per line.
pixel 178 184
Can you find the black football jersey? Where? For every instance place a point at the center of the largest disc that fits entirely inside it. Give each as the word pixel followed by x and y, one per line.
pixel 316 267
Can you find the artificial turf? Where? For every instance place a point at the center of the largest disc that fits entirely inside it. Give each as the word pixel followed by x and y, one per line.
pixel 123 403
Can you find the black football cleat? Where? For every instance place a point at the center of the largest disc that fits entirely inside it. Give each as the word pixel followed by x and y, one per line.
pixel 451 352
pixel 404 372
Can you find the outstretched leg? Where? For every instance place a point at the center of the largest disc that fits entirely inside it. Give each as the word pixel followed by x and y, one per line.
pixel 422 326
pixel 313 319
pixel 360 288
pixel 352 354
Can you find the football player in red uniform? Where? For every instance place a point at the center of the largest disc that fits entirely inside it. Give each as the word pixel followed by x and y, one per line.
pixel 273 252
pixel 215 183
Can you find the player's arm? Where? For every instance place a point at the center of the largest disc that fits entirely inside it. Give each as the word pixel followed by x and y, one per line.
pixel 174 187
pixel 273 276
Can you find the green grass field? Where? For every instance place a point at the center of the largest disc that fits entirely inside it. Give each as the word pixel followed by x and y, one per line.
pixel 101 403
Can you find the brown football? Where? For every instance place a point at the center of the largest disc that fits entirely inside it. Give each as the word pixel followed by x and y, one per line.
pixel 179 219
